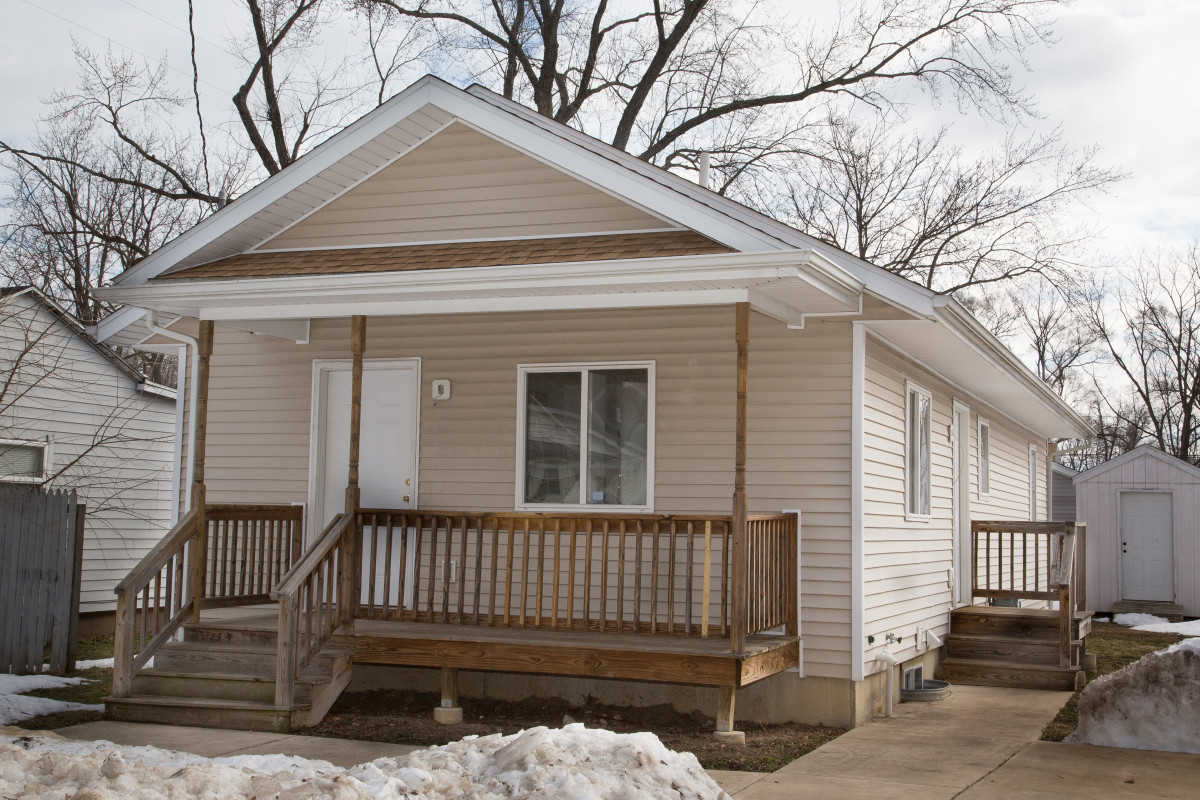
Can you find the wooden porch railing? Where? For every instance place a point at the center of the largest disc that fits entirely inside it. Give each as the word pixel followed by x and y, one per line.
pixel 1033 561
pixel 249 549
pixel 310 602
pixel 245 548
pixel 772 581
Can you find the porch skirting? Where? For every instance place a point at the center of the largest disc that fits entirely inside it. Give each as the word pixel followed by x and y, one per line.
pixel 784 697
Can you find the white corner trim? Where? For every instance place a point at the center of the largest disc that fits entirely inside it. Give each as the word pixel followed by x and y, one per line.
pixel 858 364
pixel 798 670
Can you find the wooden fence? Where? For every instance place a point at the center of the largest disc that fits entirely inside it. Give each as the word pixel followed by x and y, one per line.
pixel 41 553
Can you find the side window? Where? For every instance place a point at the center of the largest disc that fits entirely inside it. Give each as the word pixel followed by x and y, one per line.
pixel 917 451
pixel 22 462
pixel 985 458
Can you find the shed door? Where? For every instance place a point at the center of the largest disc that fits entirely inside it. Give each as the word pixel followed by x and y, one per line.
pixel 1147 547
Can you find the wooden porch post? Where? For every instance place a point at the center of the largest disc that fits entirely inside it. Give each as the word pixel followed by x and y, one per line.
pixel 348 590
pixel 738 612
pixel 198 556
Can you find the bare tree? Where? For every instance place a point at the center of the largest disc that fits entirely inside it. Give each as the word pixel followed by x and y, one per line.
pixel 1150 331
pixel 915 205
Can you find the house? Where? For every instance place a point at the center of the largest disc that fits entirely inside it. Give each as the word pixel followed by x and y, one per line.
pixel 75 415
pixel 1141 509
pixel 592 421
pixel 1062 493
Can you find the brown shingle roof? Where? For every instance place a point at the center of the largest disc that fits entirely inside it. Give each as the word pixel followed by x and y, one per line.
pixel 457 254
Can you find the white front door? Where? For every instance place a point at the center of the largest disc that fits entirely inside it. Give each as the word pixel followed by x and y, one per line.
pixel 1147 547
pixel 961 441
pixel 387 471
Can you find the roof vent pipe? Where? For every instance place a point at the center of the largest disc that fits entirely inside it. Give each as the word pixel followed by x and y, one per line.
pixel 704 161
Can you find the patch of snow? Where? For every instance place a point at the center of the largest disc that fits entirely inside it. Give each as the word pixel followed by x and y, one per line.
pixel 1129 620
pixel 98 662
pixel 571 763
pixel 15 706
pixel 1152 704
pixel 1190 628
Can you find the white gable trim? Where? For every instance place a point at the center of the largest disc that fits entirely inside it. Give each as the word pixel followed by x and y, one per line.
pixel 1135 453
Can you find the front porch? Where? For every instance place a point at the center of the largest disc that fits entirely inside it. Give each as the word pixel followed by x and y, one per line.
pixel 633 597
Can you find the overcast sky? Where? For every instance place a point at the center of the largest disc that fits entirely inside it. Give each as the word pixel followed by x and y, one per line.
pixel 1122 76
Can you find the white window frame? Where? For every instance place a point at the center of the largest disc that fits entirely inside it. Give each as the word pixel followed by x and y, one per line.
pixel 909 389
pixel 47 455
pixel 1033 482
pixel 523 371
pixel 983 458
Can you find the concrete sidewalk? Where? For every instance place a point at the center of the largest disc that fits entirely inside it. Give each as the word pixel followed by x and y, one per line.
pixel 214 742
pixel 979 744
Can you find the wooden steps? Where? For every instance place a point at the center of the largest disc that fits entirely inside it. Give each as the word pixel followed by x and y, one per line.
pixel 224 677
pixel 1014 647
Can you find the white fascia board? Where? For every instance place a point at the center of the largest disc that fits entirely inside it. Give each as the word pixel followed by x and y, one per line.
pixel 116 322
pixel 481 305
pixel 282 295
pixel 960 321
pixel 325 155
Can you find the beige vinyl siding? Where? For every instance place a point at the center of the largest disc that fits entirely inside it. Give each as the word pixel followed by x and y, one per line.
pixel 112 445
pixel 1098 503
pixel 799 429
pixel 458 185
pixel 1062 501
pixel 907 562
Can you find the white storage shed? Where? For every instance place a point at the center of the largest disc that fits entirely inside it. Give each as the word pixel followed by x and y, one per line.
pixel 1142 511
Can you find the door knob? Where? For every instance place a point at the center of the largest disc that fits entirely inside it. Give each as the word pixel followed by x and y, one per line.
pixel 406 498
pixel 408 481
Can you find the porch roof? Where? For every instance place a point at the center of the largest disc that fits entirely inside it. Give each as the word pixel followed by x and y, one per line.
pixel 452 255
pixel 785 285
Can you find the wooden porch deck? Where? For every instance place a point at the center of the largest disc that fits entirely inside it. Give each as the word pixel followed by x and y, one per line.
pixel 632 656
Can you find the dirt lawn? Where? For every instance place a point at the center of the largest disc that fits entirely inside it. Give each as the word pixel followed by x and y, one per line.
pixel 407 718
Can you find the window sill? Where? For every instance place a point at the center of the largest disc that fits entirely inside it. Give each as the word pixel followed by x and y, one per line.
pixel 550 508
pixel 924 518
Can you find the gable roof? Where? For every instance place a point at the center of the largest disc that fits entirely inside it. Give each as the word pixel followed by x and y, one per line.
pixel 1142 451
pixel 787 273
pixel 77 328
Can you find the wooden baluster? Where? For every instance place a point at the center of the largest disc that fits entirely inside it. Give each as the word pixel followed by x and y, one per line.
pixel 638 563
pixel 462 570
pixel 604 576
pixel 571 575
pixel 541 563
pixel 621 575
pixel 446 570
pixel 511 567
pixel 557 571
pixel 690 582
pixel 418 568
pixel 587 575
pixel 654 560
pixel 706 589
pixel 987 555
pixel 495 563
pixel 433 550
pixel 478 567
pixel 726 544
pixel 671 580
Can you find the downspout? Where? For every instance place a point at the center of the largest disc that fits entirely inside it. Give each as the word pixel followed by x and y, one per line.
pixel 885 656
pixel 194 347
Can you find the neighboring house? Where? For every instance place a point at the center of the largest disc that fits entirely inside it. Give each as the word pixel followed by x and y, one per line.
pixel 1062 493
pixel 554 339
pixel 1142 511
pixel 75 415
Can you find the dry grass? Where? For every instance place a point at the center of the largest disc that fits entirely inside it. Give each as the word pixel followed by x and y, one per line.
pixel 1115 647
pixel 92 693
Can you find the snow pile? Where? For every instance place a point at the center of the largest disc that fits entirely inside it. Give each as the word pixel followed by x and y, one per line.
pixel 15 706
pixel 1191 628
pixel 1152 704
pixel 1130 620
pixel 571 763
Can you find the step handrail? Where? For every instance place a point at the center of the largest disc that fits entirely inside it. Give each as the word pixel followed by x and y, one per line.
pixel 143 590
pixel 318 582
